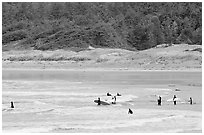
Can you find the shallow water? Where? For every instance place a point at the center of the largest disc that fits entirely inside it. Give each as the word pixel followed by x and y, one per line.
pixel 62 101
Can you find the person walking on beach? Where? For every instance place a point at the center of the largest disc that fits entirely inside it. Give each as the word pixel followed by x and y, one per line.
pixel 191 101
pixel 159 101
pixel 12 104
pixel 174 99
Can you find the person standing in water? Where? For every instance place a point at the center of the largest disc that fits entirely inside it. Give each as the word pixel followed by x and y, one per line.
pixel 159 101
pixel 99 101
pixel 191 101
pixel 118 94
pixel 108 94
pixel 174 99
pixel 130 111
pixel 12 104
pixel 114 102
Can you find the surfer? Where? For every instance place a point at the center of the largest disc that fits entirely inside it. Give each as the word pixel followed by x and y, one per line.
pixel 108 94
pixel 99 101
pixel 12 104
pixel 130 111
pixel 174 99
pixel 159 100
pixel 191 101
pixel 114 100
pixel 118 94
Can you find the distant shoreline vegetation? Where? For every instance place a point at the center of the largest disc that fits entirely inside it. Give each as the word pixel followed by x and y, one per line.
pixel 78 25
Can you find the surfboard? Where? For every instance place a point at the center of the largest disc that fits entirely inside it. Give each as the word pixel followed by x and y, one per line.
pixel 102 102
pixel 171 99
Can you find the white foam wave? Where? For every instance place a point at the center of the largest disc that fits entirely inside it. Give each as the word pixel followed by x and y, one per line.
pixel 126 98
pixel 158 89
pixel 47 93
pixel 111 124
pixel 97 118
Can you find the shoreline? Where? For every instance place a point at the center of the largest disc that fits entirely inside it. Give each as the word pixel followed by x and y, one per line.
pixel 83 66
pixel 103 69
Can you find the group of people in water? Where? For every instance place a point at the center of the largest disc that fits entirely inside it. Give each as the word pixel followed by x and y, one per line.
pixel 159 101
pixel 129 111
pixel 113 98
pixel 174 100
pixel 108 94
pixel 114 102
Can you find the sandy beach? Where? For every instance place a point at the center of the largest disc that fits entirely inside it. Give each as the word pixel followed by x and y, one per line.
pixel 53 91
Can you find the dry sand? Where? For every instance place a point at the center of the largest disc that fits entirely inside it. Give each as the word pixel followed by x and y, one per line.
pixel 176 57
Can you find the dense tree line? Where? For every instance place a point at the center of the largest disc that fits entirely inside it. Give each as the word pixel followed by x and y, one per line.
pixel 136 25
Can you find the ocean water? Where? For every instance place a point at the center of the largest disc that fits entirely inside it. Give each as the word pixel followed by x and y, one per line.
pixel 62 101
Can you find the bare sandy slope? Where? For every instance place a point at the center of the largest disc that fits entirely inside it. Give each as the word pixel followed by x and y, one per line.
pixel 176 57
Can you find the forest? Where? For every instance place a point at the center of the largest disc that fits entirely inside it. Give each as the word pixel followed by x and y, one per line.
pixel 77 25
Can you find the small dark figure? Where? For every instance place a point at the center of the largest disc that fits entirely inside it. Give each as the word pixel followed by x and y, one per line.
pixel 159 101
pixel 115 98
pixel 99 101
pixel 191 101
pixel 118 94
pixel 114 102
pixel 12 104
pixel 108 94
pixel 130 111
pixel 177 89
pixel 174 99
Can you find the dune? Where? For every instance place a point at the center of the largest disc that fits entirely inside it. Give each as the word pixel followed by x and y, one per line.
pixel 175 57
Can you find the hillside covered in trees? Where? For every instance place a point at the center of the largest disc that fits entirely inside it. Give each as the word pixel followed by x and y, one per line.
pixel 75 26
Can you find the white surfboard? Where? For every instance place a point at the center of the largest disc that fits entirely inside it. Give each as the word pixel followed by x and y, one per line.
pixel 171 99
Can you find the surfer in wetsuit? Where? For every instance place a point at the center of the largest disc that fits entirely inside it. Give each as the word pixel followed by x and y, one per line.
pixel 108 94
pixel 174 99
pixel 130 111
pixel 159 101
pixel 114 102
pixel 191 101
pixel 118 94
pixel 114 99
pixel 12 104
pixel 99 101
